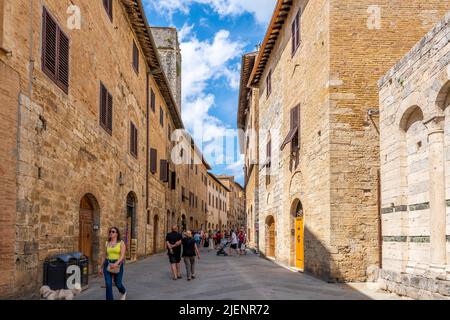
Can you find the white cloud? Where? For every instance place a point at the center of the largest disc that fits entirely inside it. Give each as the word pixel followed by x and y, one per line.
pixel 236 169
pixel 260 9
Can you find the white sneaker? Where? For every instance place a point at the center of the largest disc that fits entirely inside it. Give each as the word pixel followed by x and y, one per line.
pixel 124 296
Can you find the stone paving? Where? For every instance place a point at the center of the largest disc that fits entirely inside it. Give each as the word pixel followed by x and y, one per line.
pixel 247 277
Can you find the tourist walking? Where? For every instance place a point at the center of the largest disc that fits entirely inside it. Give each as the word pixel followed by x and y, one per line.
pixel 242 237
pixel 113 264
pixel 190 251
pixel 234 243
pixel 197 238
pixel 173 243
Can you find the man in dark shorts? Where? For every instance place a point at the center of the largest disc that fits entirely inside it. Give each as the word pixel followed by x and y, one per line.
pixel 173 243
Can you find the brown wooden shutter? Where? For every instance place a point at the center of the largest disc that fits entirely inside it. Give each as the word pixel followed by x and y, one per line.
pixel 164 174
pixel 133 140
pixel 294 117
pixel 294 36
pixel 63 61
pixel 153 101
pixel 174 180
pixel 109 112
pixel 153 159
pixel 49 45
pixel 161 116
pixel 135 57
pixel 108 7
pixel 55 52
pixel 103 106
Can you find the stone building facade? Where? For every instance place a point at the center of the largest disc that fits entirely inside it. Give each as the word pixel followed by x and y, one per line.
pixel 248 126
pixel 317 73
pixel 415 169
pixel 217 204
pixel 84 133
pixel 235 202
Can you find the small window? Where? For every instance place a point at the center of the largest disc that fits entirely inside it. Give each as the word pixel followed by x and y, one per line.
pixel 153 160
pixel 153 100
pixel 161 117
pixel 55 52
pixel 296 32
pixel 269 83
pixel 133 140
pixel 135 57
pixel 164 170
pixel 106 109
pixel 108 7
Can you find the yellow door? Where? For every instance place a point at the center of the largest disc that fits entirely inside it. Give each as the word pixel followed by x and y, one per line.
pixel 299 244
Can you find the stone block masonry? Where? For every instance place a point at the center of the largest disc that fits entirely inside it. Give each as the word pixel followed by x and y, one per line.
pixel 414 121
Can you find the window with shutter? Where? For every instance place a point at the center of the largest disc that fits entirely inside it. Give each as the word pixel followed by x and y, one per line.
pixel 296 32
pixel 161 116
pixel 108 7
pixel 153 160
pixel 293 135
pixel 153 100
pixel 174 180
pixel 164 174
pixel 133 140
pixel 269 83
pixel 55 52
pixel 135 57
pixel 106 109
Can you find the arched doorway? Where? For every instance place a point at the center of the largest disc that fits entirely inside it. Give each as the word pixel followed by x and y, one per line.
pixel 270 237
pixel 89 221
pixel 155 233
pixel 299 234
pixel 130 234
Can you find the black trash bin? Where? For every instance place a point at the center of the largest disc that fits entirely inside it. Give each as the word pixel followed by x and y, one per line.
pixel 83 263
pixel 55 271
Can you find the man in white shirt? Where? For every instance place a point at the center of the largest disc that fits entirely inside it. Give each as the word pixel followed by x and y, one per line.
pixel 234 243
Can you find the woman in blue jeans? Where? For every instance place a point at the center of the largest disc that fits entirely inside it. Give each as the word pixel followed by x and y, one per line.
pixel 113 262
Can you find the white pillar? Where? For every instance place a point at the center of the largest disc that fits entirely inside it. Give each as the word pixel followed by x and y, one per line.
pixel 437 192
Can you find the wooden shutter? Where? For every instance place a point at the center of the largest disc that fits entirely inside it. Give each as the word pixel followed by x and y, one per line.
pixel 164 174
pixel 174 180
pixel 110 112
pixel 49 45
pixel 108 7
pixel 63 61
pixel 294 36
pixel 153 100
pixel 153 159
pixel 135 57
pixel 294 117
pixel 103 106
pixel 133 140
pixel 106 109
pixel 161 116
pixel 55 52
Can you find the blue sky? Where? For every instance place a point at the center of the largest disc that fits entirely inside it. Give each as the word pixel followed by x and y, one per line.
pixel 213 35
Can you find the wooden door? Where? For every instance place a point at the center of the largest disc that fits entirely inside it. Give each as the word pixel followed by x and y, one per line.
pixel 86 232
pixel 299 243
pixel 271 238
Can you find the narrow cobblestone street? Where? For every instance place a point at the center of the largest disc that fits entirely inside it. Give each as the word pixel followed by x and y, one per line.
pixel 246 277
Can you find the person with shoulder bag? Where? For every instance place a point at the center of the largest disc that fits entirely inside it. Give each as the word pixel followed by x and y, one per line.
pixel 113 264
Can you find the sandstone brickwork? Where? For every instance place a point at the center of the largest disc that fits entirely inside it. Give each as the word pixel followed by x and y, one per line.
pixel 59 164
pixel 332 77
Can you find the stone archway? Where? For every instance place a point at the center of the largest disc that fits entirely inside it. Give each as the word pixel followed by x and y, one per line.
pixel 89 227
pixel 270 237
